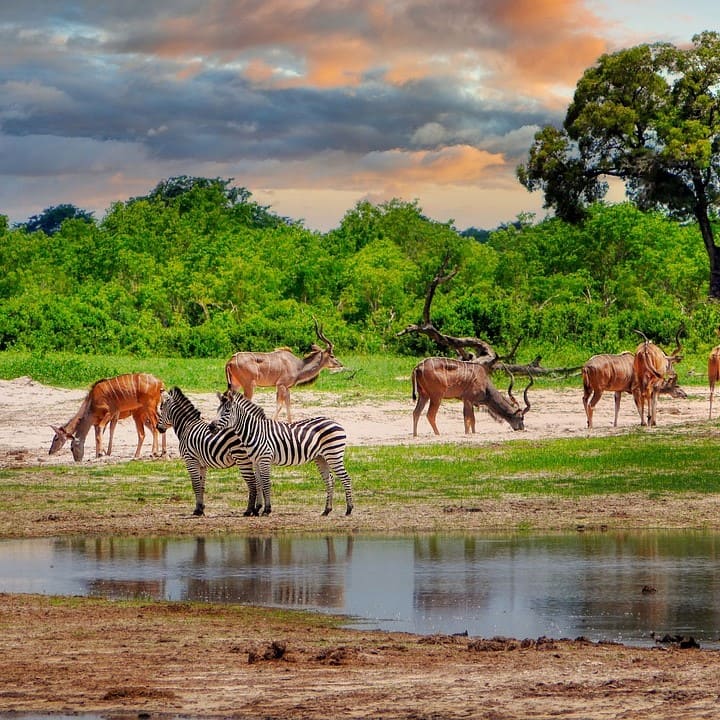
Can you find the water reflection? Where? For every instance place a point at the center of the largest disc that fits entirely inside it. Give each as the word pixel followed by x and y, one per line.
pixel 621 586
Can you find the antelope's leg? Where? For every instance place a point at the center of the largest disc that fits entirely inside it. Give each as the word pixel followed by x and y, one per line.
pixel 712 393
pixel 98 439
pixel 590 402
pixel 468 417
pixel 432 414
pixel 618 396
pixel 282 397
pixel 419 407
pixel 140 427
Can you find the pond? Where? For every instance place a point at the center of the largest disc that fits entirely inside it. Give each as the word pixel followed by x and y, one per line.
pixel 626 587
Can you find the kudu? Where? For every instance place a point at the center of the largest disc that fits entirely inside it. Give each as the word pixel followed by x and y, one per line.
pixel 281 369
pixel 110 400
pixel 713 373
pixel 652 369
pixel 615 373
pixel 436 378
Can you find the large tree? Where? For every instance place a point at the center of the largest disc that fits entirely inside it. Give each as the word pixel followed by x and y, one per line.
pixel 650 116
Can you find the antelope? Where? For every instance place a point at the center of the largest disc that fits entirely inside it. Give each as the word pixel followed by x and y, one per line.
pixel 652 369
pixel 615 373
pixel 279 368
pixel 713 373
pixel 611 373
pixel 110 400
pixel 436 378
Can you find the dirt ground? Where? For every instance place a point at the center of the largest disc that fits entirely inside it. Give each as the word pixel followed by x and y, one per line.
pixel 167 660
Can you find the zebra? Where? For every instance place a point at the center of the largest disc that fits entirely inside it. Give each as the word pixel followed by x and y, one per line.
pixel 270 442
pixel 201 449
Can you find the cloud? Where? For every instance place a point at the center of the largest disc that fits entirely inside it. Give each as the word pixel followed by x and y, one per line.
pixel 354 96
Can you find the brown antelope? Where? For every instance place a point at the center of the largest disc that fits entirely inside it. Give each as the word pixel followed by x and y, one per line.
pixel 436 378
pixel 110 400
pixel 652 370
pixel 615 373
pixel 713 373
pixel 606 373
pixel 281 369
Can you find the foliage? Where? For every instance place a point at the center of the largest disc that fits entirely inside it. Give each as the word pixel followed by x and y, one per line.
pixel 51 219
pixel 195 269
pixel 650 117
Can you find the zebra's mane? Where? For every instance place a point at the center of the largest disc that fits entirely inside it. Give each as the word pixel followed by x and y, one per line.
pixel 248 406
pixel 182 402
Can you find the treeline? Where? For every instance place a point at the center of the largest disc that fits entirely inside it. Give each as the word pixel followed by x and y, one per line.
pixel 198 269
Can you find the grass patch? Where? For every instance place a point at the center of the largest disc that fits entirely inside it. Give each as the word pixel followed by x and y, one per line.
pixel 678 461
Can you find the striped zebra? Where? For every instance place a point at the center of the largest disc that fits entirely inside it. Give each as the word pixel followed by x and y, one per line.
pixel 269 442
pixel 200 448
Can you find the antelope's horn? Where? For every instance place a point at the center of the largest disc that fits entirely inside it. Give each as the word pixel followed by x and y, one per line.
pixel 525 394
pixel 320 334
pixel 510 387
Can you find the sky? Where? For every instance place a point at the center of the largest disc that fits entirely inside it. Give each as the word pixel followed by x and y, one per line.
pixel 312 105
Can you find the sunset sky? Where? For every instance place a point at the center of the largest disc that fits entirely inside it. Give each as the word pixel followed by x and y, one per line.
pixel 311 105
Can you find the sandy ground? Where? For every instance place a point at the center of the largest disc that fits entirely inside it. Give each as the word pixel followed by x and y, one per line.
pixel 168 660
pixel 29 408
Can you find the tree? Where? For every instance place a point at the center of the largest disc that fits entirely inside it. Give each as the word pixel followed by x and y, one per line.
pixel 189 193
pixel 649 116
pixel 51 219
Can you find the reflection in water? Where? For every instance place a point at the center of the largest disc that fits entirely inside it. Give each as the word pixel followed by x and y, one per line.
pixel 520 586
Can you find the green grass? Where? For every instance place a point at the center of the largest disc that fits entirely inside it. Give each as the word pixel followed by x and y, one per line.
pixel 680 461
pixel 364 376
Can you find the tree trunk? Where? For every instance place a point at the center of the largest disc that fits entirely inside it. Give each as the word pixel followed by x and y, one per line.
pixel 713 251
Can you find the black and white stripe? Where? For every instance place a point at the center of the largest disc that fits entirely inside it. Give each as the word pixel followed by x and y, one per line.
pixel 201 449
pixel 269 442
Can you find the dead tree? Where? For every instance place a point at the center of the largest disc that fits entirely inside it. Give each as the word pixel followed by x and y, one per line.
pixel 472 348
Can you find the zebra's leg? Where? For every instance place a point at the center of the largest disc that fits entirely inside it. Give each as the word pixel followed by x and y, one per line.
pixel 262 480
pixel 197 478
pixel 324 469
pixel 248 474
pixel 338 468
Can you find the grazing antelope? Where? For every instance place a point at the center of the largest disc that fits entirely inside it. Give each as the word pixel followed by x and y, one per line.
pixel 279 368
pixel 436 378
pixel 652 369
pixel 713 373
pixel 110 400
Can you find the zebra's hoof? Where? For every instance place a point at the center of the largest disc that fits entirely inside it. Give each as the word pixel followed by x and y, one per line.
pixel 349 510
pixel 267 511
pixel 326 511
pixel 199 511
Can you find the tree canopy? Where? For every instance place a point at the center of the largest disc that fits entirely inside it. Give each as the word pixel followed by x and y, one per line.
pixel 198 273
pixel 51 219
pixel 650 117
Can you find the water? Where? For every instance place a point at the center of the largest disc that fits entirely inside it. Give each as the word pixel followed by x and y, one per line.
pixel 610 586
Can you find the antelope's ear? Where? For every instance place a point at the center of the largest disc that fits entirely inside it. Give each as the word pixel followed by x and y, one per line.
pixel 315 348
